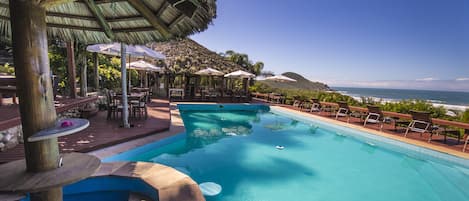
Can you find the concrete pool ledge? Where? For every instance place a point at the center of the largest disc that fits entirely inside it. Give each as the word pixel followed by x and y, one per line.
pixel 170 184
pixel 378 133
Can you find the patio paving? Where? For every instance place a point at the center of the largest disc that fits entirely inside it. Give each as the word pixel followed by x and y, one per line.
pixel 103 133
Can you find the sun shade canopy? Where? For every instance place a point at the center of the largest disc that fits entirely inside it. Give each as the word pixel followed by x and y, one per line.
pixel 240 74
pixel 209 71
pixel 144 66
pixel 134 50
pixel 128 21
pixel 280 78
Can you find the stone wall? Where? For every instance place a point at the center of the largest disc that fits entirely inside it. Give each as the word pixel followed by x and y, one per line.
pixel 9 138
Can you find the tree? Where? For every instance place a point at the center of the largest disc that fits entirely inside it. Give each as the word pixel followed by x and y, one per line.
pixel 243 60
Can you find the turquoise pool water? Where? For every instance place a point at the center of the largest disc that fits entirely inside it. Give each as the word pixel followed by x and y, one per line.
pixel 235 146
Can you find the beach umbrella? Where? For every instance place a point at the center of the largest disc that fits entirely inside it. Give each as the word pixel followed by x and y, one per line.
pixel 280 78
pixel 29 23
pixel 114 49
pixel 240 74
pixel 209 72
pixel 143 66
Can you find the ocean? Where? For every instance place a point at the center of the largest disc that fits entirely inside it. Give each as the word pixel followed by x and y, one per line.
pixel 448 99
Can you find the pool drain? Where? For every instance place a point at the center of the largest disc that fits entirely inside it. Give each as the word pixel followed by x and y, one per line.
pixel 210 188
pixel 279 147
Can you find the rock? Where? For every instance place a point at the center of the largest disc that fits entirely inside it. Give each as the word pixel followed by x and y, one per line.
pixel 8 137
pixel 2 146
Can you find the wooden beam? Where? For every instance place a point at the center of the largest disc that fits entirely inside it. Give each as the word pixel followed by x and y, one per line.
pixel 100 18
pixel 30 54
pixel 73 27
pixel 65 15
pixel 176 21
pixel 151 17
pixel 162 8
pixel 126 18
pixel 107 1
pixel 134 29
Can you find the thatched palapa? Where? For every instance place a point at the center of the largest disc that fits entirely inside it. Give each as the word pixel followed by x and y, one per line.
pixel 128 21
pixel 188 56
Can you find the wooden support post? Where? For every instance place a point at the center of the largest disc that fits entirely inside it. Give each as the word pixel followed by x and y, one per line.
pixel 71 70
pixel 96 72
pixel 125 109
pixel 29 38
pixel 83 76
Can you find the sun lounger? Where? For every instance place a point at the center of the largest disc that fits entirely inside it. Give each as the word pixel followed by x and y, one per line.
pixel 466 133
pixel 375 115
pixel 344 111
pixel 421 123
pixel 315 105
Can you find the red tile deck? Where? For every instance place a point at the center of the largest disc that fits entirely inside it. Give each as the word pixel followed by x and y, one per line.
pixel 102 133
pixel 438 140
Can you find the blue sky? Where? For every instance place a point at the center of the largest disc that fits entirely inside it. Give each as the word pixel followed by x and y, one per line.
pixel 378 43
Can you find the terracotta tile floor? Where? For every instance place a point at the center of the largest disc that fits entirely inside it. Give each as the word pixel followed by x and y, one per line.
pixel 102 132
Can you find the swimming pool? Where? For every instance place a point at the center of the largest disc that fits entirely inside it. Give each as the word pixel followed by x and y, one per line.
pixel 240 148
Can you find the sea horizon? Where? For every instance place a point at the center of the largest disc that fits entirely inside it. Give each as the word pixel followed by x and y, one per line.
pixel 457 100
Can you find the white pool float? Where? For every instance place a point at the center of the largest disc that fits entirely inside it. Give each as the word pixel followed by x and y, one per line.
pixel 279 147
pixel 210 188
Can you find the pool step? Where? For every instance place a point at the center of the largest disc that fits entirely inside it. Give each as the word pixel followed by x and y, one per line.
pixel 138 197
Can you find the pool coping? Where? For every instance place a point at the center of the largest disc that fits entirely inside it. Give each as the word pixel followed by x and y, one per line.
pixel 378 133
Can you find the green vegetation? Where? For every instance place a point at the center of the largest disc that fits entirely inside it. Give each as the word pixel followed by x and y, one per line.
pixel 302 91
pixel 7 69
pixel 243 60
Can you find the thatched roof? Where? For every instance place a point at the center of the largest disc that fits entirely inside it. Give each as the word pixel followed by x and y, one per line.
pixel 186 55
pixel 128 21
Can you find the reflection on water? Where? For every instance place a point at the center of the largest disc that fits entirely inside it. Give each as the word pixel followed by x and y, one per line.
pixel 204 128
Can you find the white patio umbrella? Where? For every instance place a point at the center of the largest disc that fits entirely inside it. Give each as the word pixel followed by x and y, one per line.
pixel 240 74
pixel 118 49
pixel 114 49
pixel 209 71
pixel 280 78
pixel 143 66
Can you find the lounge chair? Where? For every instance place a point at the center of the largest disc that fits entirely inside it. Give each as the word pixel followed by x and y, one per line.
pixel 344 111
pixel 297 102
pixel 421 123
pixel 466 132
pixel 375 115
pixel 315 105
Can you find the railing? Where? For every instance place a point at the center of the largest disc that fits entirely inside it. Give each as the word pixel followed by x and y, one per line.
pixel 441 122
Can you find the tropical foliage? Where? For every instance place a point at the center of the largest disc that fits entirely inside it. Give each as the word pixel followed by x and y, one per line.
pixel 244 61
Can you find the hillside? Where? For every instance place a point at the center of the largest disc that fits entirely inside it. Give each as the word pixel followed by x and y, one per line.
pixel 301 83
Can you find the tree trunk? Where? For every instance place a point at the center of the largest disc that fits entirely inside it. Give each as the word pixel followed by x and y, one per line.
pixel 125 109
pixel 96 72
pixel 83 78
pixel 71 69
pixel 29 37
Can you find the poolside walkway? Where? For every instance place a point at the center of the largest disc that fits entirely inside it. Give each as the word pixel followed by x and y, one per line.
pixel 103 133
pixel 437 142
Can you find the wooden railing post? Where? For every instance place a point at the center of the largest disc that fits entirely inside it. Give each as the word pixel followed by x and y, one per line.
pixel 29 37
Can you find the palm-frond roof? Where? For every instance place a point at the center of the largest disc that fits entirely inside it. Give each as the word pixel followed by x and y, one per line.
pixel 128 21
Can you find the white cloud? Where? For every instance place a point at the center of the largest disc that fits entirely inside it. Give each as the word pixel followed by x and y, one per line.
pixel 462 79
pixel 427 79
